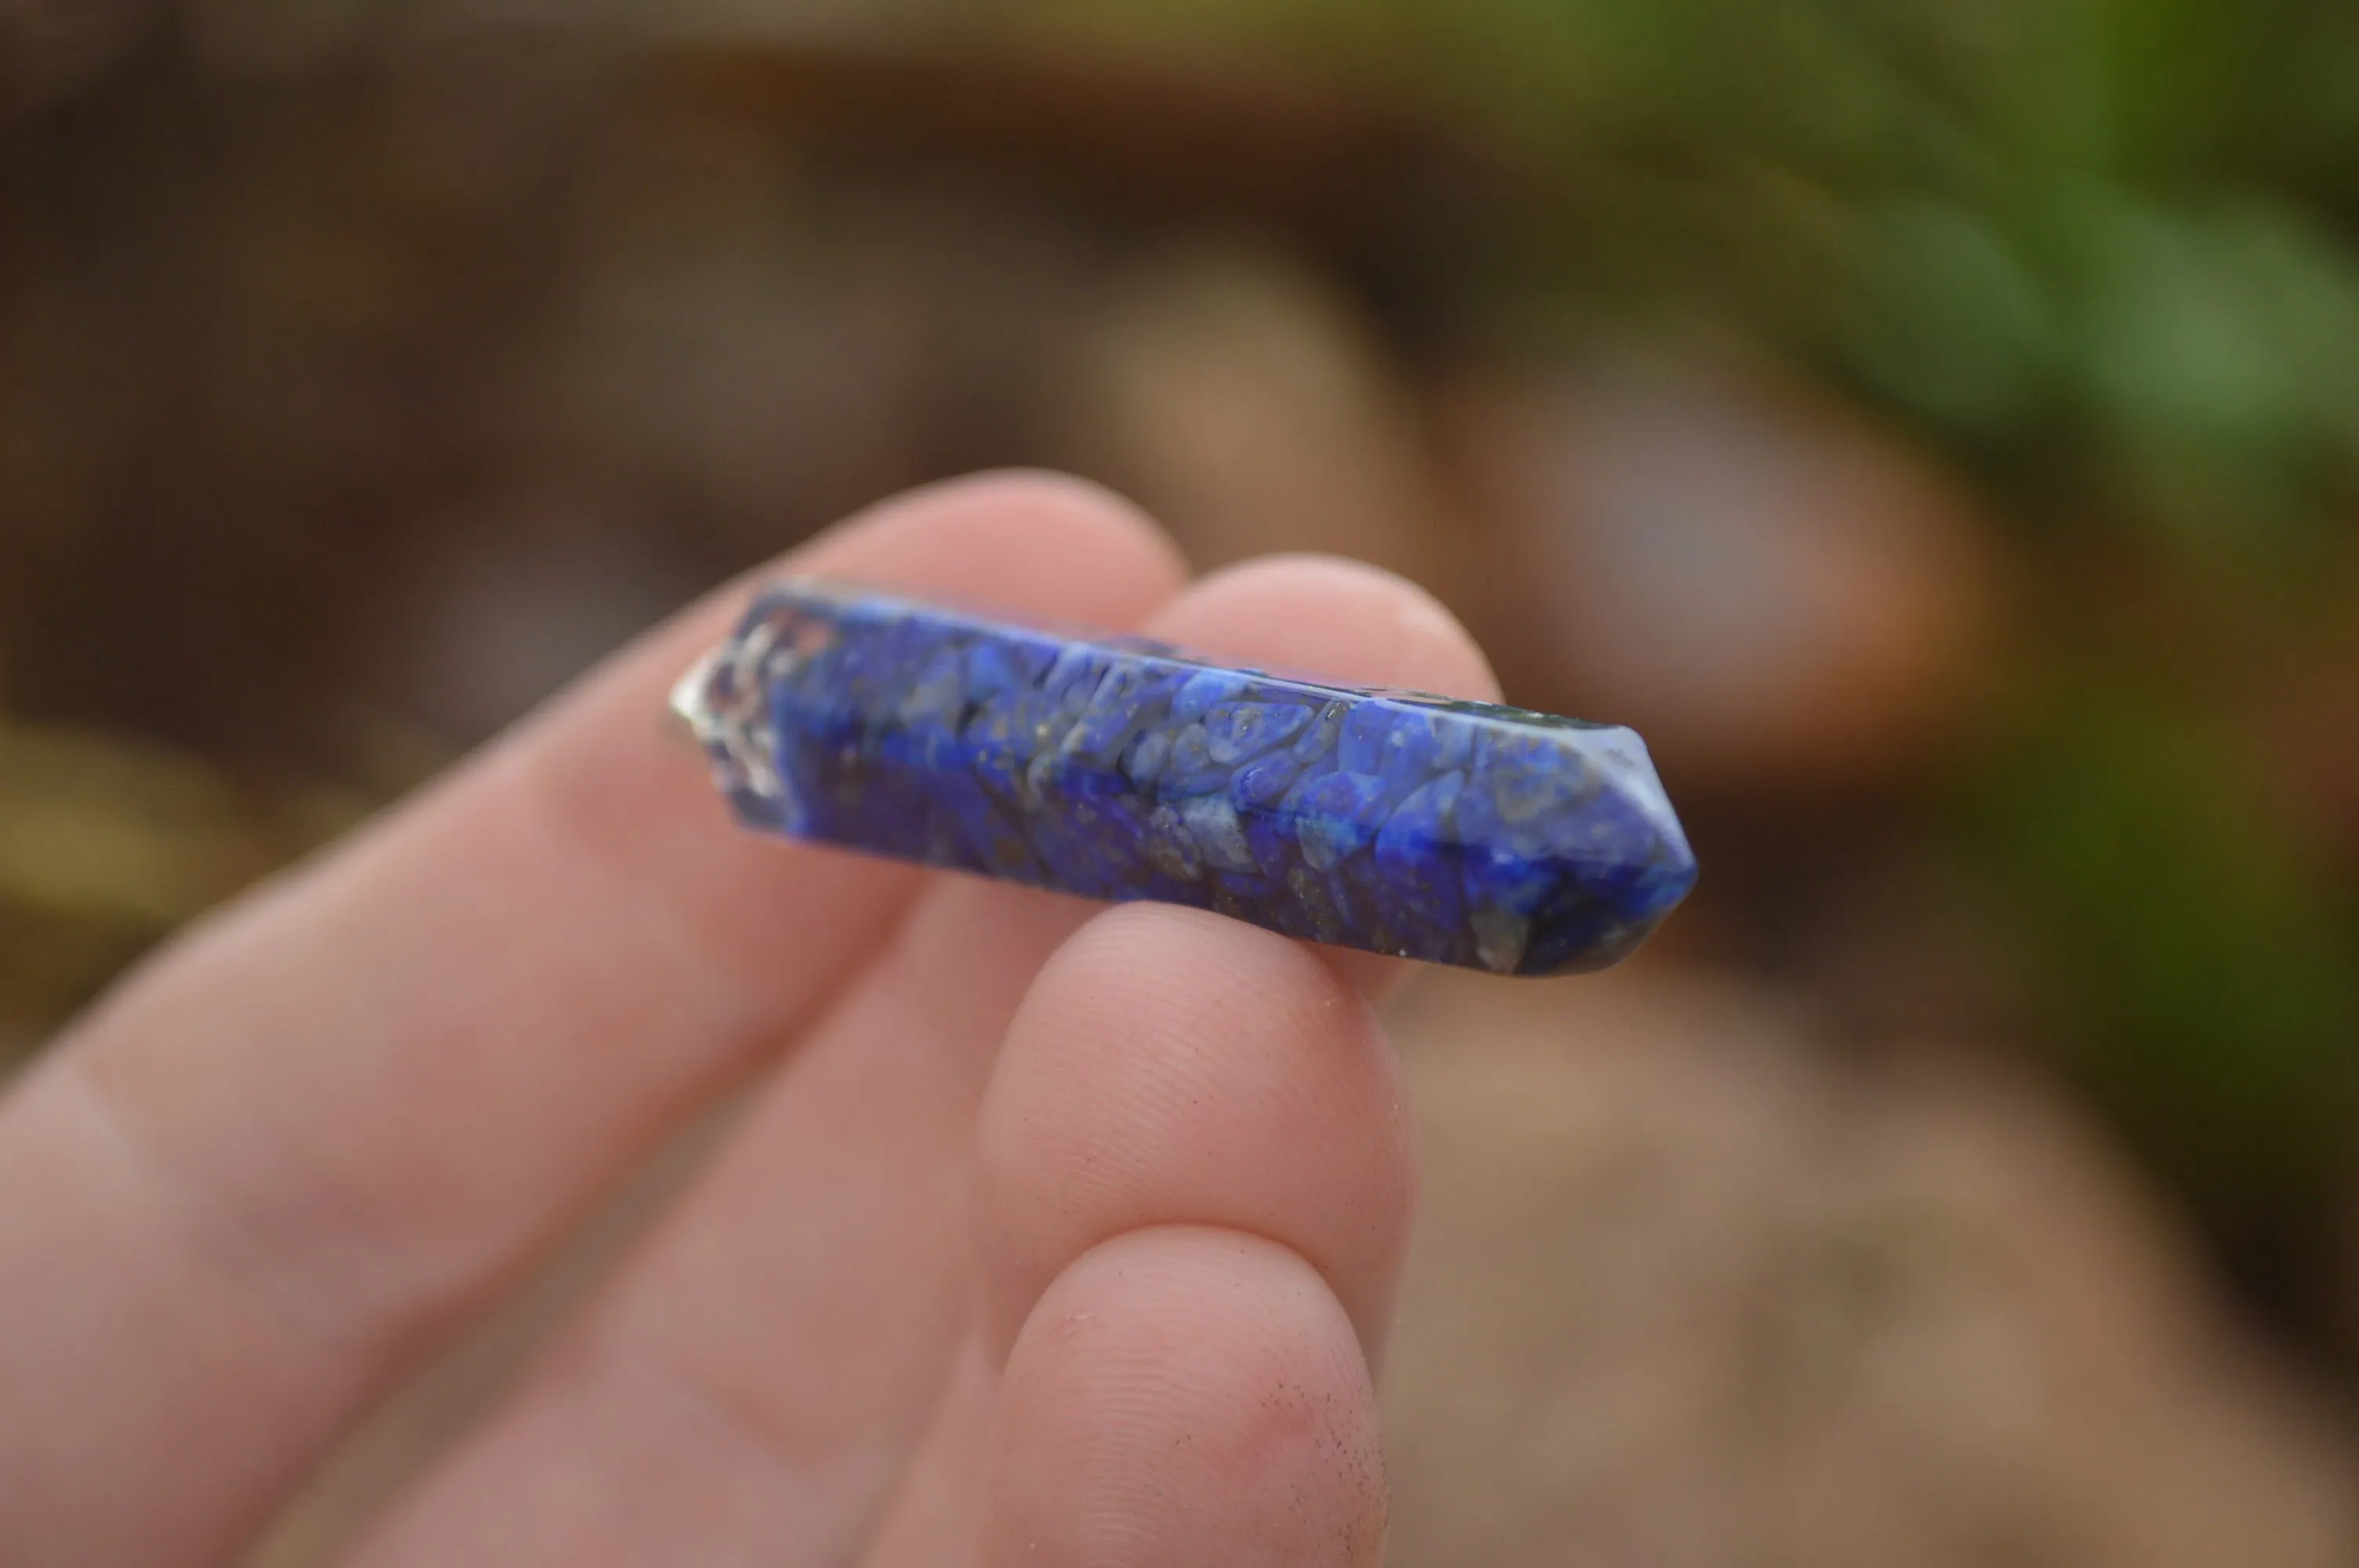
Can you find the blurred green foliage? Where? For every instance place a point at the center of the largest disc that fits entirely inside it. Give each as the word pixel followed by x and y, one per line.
pixel 108 843
pixel 2090 245
pixel 2202 951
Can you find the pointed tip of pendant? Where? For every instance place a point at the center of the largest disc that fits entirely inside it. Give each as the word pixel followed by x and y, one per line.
pixel 690 713
pixel 1633 868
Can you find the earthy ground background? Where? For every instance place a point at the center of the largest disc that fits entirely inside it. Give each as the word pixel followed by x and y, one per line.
pixel 1935 422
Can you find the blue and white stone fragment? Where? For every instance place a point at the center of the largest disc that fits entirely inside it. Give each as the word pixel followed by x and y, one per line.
pixel 1451 832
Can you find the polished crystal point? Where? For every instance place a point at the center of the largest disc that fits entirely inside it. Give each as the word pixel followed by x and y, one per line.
pixel 1451 832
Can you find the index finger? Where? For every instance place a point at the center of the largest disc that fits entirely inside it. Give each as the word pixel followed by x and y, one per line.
pixel 268 1175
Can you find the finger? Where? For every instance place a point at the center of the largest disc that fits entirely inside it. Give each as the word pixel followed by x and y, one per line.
pixel 1183 1396
pixel 1171 1068
pixel 751 1382
pixel 815 1285
pixel 931 1524
pixel 273 1169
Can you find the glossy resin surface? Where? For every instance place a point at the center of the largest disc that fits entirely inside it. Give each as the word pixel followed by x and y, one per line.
pixel 1451 832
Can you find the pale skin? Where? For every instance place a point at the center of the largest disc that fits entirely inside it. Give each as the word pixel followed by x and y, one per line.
pixel 1048 1234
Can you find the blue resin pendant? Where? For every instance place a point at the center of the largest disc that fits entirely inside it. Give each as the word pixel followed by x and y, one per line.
pixel 1451 832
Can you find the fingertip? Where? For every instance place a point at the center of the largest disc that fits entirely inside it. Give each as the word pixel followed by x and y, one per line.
pixel 1027 541
pixel 1185 1394
pixel 1335 617
pixel 1032 544
pixel 1172 1067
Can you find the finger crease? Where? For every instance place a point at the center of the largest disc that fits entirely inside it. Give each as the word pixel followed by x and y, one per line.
pixel 300 1244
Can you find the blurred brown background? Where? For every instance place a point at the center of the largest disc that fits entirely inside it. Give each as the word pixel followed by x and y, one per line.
pixel 1934 423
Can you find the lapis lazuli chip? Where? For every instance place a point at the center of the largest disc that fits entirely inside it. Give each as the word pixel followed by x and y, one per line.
pixel 1451 832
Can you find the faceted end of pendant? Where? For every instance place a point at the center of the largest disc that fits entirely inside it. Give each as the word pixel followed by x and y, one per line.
pixel 691 714
pixel 723 702
pixel 1607 872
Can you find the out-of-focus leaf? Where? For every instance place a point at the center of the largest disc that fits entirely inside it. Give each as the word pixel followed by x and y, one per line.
pixel 106 846
pixel 1955 325
pixel 116 830
pixel 2219 350
pixel 2210 983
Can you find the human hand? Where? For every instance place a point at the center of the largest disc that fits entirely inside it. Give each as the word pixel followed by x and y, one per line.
pixel 1046 1234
